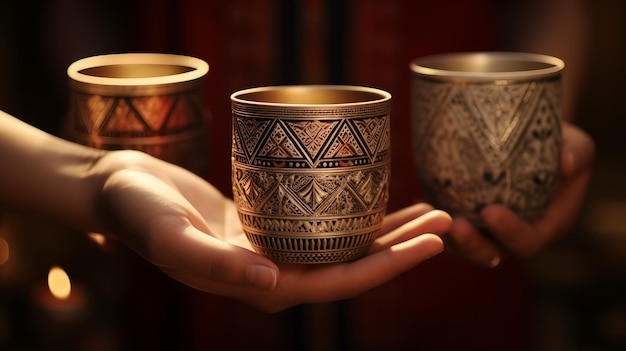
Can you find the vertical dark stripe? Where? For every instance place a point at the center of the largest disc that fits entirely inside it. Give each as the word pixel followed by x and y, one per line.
pixel 288 37
pixel 337 48
pixel 175 21
pixel 296 328
pixel 337 55
pixel 288 46
pixel 343 322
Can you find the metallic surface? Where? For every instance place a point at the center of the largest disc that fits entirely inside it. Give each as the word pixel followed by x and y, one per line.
pixel 487 67
pixel 487 130
pixel 310 170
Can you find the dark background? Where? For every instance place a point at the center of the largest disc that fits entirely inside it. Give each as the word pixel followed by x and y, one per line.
pixel 570 297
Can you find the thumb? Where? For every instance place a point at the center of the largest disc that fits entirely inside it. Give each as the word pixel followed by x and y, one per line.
pixel 578 151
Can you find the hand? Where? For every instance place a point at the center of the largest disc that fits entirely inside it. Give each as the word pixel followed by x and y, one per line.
pixel 525 239
pixel 192 232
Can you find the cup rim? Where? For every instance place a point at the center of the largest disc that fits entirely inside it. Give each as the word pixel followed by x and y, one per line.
pixel 547 66
pixel 237 97
pixel 199 68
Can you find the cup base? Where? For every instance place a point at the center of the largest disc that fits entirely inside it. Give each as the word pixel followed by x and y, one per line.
pixel 312 250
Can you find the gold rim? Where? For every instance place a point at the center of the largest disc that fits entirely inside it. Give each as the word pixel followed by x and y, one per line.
pixel 310 96
pixel 487 66
pixel 135 73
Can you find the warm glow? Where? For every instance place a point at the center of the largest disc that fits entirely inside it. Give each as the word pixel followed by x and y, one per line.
pixel 99 239
pixel 59 283
pixel 4 251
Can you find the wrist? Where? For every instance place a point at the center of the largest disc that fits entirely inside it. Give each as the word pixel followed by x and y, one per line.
pixel 105 167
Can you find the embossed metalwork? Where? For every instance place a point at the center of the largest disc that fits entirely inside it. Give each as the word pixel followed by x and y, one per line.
pixel 310 170
pixel 487 130
pixel 148 102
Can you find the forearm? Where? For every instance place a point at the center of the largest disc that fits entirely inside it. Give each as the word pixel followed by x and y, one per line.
pixel 47 176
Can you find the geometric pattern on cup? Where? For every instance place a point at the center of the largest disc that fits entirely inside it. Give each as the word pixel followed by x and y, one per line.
pixel 171 127
pixel 162 116
pixel 312 250
pixel 311 190
pixel 315 195
pixel 479 144
pixel 311 143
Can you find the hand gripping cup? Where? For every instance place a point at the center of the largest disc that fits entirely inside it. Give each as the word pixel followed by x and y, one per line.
pixel 310 170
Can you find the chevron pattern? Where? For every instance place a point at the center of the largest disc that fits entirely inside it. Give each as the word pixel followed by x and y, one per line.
pixel 311 190
pixel 171 127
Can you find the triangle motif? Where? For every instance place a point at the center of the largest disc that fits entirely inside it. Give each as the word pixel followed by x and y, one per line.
pixel 284 203
pixel 312 134
pixel 123 119
pixel 369 184
pixel 279 145
pixel 316 192
pixel 371 131
pixel 246 189
pixel 344 144
pixel 343 202
pixel 154 109
pixel 95 109
pixel 498 106
pixel 250 131
pixel 186 114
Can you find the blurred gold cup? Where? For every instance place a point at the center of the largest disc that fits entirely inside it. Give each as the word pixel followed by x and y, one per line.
pixel 310 170
pixel 143 101
pixel 487 130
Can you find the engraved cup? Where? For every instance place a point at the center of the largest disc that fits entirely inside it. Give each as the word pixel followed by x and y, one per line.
pixel 486 130
pixel 143 101
pixel 310 170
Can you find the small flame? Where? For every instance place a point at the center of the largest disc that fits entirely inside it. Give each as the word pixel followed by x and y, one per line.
pixel 59 283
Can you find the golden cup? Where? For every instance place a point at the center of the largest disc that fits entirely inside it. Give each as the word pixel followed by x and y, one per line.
pixel 310 170
pixel 143 101
pixel 487 130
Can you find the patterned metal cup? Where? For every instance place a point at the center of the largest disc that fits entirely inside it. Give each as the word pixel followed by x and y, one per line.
pixel 487 130
pixel 142 101
pixel 310 170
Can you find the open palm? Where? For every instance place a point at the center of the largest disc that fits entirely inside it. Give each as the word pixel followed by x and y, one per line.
pixel 192 232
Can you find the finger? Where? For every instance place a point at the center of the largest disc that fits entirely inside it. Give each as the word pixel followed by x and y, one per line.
pixel 158 223
pixel 396 219
pixel 465 240
pixel 513 233
pixel 433 222
pixel 347 280
pixel 526 239
pixel 578 151
pixel 324 283
pixel 209 258
pixel 373 270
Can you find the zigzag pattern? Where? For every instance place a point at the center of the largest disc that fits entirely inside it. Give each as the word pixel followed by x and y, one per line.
pixel 324 143
pixel 311 190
